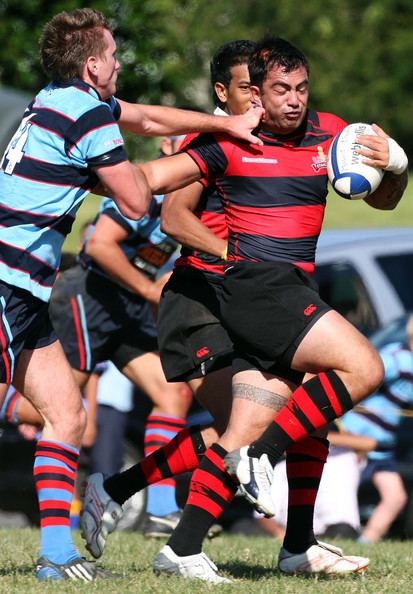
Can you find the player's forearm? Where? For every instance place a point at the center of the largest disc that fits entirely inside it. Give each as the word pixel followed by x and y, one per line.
pixel 112 260
pixel 359 443
pixel 388 194
pixel 159 120
pixel 170 173
pixel 186 228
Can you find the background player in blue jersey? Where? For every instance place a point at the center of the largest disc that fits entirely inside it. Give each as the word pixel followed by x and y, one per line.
pixel 274 200
pixel 68 140
pixel 379 417
pixel 102 310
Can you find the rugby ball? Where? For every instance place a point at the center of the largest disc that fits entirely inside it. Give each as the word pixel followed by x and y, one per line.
pixel 349 177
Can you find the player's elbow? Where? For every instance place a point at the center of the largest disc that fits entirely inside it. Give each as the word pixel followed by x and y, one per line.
pixel 94 246
pixel 134 208
pixel 169 223
pixel 165 224
pixel 134 211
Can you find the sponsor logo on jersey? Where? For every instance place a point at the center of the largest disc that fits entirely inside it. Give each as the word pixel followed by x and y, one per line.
pixel 310 309
pixel 320 161
pixel 262 160
pixel 114 141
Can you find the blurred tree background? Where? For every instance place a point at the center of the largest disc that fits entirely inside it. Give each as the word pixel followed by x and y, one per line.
pixel 359 50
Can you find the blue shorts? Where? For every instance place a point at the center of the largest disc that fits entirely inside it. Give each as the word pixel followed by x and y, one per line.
pixel 25 324
pixel 373 466
pixel 97 320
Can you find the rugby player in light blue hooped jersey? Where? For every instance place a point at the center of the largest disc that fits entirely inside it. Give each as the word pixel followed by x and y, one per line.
pixel 379 417
pixel 68 140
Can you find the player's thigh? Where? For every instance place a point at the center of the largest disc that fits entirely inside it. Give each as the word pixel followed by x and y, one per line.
pixel 44 376
pixel 214 393
pixel 146 372
pixel 333 343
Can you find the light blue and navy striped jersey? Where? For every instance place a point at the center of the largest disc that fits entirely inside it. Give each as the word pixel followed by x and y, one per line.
pixel 46 172
pixel 380 414
pixel 146 246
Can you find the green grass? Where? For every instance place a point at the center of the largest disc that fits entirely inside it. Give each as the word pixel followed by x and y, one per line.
pixel 250 561
pixel 340 214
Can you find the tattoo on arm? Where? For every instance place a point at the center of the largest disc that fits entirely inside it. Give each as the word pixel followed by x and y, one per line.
pixel 390 191
pixel 259 395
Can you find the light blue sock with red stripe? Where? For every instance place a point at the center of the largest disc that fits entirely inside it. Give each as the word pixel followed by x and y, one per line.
pixel 159 430
pixel 8 410
pixel 54 471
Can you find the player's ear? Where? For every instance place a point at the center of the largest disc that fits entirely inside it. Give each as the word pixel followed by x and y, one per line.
pixel 221 92
pixel 166 146
pixel 255 94
pixel 91 66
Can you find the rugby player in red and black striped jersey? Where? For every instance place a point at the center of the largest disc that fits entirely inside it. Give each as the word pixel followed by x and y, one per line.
pixel 274 198
pixel 191 288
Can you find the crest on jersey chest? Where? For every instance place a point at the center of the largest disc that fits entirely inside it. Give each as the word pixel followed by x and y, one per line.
pixel 320 161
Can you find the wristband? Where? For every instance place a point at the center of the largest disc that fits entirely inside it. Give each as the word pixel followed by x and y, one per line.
pixel 397 158
pixel 224 255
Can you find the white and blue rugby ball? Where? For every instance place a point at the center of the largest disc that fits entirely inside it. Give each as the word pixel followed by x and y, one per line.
pixel 349 177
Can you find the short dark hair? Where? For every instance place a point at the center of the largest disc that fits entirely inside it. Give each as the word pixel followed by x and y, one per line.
pixel 228 55
pixel 69 39
pixel 274 51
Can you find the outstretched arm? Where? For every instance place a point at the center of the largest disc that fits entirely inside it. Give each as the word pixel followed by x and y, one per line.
pixel 179 221
pixel 159 176
pixel 382 151
pixel 170 173
pixel 159 120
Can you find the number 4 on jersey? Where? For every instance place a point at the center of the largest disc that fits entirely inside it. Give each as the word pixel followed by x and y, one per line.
pixel 14 151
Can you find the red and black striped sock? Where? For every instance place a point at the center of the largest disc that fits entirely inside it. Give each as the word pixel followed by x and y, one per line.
pixel 312 405
pixel 210 491
pixel 182 454
pixel 305 464
pixel 159 431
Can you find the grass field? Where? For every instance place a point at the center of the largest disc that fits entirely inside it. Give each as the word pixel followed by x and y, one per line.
pixel 340 214
pixel 249 560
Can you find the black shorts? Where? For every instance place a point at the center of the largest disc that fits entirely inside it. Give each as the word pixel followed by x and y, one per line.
pixel 192 340
pixel 24 324
pixel 97 320
pixel 268 308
